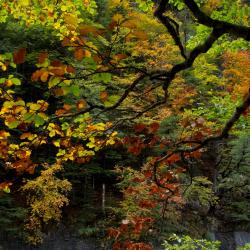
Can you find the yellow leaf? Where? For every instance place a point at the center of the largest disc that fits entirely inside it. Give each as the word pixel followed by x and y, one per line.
pixel 117 18
pixel 70 19
pixel 24 2
pixel 34 106
pixel 28 136
pixel 56 143
pixel 4 134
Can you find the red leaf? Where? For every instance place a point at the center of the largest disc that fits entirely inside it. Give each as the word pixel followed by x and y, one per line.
pixel 148 173
pixel 70 69
pixel 19 56
pixel 147 204
pixel 139 127
pixel 173 158
pixel 154 127
pixel 245 113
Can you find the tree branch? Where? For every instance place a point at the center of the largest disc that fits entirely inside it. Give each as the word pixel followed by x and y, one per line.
pixel 170 24
pixel 202 18
pixel 201 144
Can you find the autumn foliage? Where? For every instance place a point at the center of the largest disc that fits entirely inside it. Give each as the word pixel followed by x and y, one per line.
pixel 125 81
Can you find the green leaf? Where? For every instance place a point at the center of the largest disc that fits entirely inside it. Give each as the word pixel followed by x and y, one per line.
pixel 61 152
pixel 53 81
pixel 20 103
pixel 102 77
pixel 75 90
pixel 89 63
pixel 2 80
pixel 14 124
pixel 38 120
pixel 28 117
pixel 6 189
pixel 16 81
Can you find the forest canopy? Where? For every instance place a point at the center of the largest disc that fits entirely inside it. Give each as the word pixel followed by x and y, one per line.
pixel 149 97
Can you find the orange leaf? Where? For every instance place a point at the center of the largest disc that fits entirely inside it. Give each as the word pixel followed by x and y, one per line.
pixel 81 104
pixel 196 154
pixel 173 158
pixel 79 54
pixel 67 107
pixel 36 75
pixel 19 56
pixel 60 112
pixel 25 135
pixel 31 169
pixel 103 96
pixel 5 184
pixel 58 71
pixel 44 76
pixel 119 57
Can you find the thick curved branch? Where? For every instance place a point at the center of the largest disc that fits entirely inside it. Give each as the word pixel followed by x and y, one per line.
pixel 202 18
pixel 171 25
pixel 203 48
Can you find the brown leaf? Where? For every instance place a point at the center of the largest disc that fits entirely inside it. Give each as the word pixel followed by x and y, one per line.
pixel 19 56
pixel 56 63
pixel 58 91
pixel 154 127
pixel 139 127
pixel 104 96
pixel 86 29
pixel 70 69
pixel 79 54
pixel 58 71
pixel 42 57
